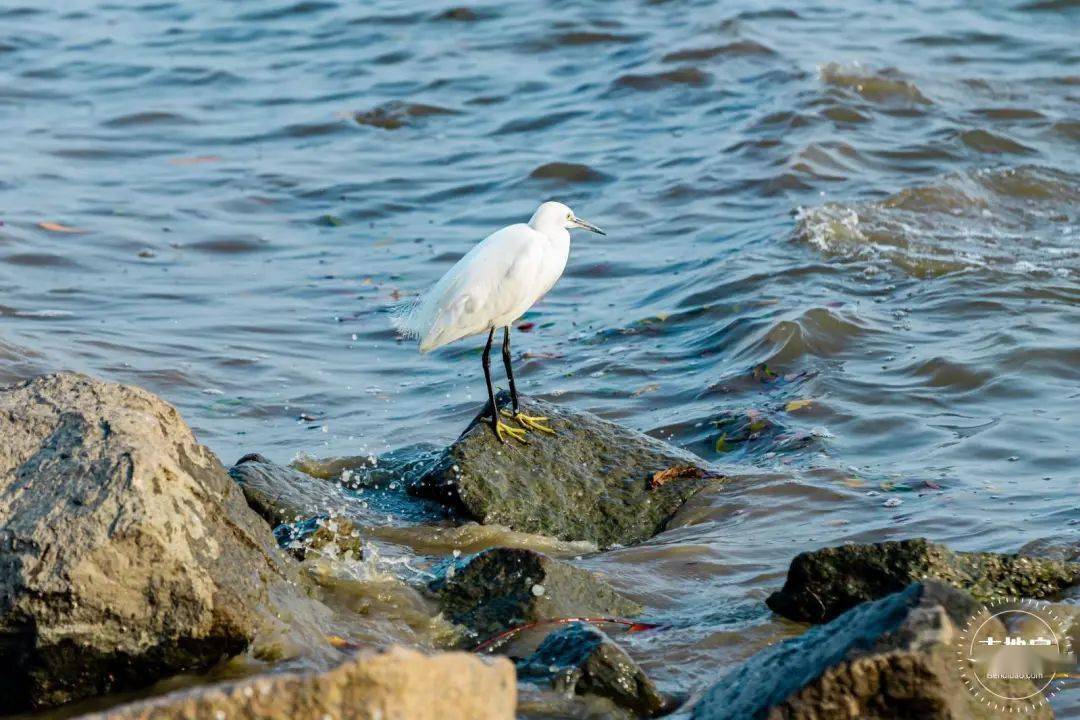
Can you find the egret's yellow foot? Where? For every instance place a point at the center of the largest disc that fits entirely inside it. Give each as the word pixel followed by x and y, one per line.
pixel 500 428
pixel 530 422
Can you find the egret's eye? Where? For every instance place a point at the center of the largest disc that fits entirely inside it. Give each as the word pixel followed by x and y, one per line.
pixel 570 216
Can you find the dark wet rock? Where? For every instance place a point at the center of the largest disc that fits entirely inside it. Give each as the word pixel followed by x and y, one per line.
pixel 397 114
pixel 126 552
pixel 580 659
pixel 592 480
pixel 398 683
pixel 568 172
pixel 336 537
pixel 281 494
pixel 1052 548
pixel 824 583
pixel 891 658
pixel 503 588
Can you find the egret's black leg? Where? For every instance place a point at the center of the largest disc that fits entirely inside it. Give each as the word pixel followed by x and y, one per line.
pixel 529 422
pixel 509 368
pixel 487 379
pixel 497 426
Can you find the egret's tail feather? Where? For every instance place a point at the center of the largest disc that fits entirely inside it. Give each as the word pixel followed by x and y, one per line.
pixel 404 317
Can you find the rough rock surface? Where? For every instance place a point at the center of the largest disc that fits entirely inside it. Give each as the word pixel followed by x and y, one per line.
pixel 893 658
pixel 126 552
pixel 280 494
pixel 399 684
pixel 591 480
pixel 502 588
pixel 824 583
pixel 583 660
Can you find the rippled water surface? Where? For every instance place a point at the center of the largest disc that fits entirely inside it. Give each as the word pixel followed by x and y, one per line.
pixel 853 225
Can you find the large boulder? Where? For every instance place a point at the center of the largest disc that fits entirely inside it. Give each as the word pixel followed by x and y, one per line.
pixel 592 480
pixel 398 684
pixel 580 659
pixel 126 551
pixel 824 583
pixel 503 588
pixel 894 658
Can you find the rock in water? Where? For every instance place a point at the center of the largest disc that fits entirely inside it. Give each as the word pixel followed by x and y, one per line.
pixel 824 583
pixel 323 536
pixel 126 551
pixel 592 480
pixel 502 588
pixel 397 684
pixel 583 660
pixel 893 658
pixel 281 494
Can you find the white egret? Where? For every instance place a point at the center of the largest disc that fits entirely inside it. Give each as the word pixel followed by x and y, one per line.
pixel 491 287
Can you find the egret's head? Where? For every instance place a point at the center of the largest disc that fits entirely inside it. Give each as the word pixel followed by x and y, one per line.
pixel 552 215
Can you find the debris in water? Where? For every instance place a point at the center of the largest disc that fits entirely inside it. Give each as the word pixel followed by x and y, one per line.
pixel 58 228
pixel 798 404
pixel 678 472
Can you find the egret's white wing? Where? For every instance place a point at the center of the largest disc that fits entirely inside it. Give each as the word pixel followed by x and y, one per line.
pixel 496 280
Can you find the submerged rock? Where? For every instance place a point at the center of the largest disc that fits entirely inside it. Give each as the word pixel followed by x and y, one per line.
pixel 592 480
pixel 398 683
pixel 822 584
pixel 321 535
pixel 502 588
pixel 580 659
pixel 126 552
pixel 892 658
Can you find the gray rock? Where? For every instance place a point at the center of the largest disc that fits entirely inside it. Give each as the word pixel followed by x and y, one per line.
pixel 592 480
pixel 398 684
pixel 281 494
pixel 285 494
pixel 126 552
pixel 580 659
pixel 503 588
pixel 893 658
pixel 824 583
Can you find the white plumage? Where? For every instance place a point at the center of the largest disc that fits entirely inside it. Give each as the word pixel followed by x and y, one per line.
pixel 495 282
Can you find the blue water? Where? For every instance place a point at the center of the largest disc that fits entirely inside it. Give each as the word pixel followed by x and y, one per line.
pixel 877 201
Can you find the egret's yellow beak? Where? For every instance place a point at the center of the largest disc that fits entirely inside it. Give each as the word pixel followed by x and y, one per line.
pixel 588 226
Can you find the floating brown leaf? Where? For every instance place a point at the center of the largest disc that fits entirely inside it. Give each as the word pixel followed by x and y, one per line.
pixel 196 160
pixel 677 472
pixel 57 227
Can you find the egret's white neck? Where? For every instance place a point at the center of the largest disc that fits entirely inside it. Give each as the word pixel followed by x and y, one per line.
pixel 553 230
